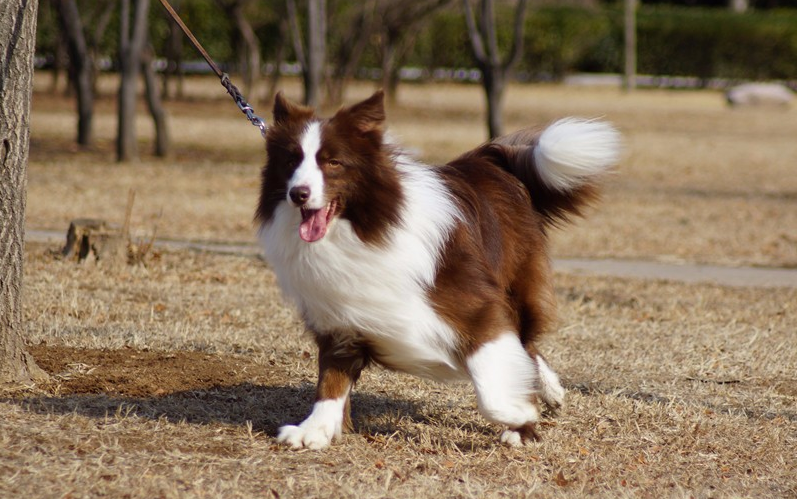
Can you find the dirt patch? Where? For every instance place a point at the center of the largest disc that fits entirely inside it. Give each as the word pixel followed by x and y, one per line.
pixel 140 373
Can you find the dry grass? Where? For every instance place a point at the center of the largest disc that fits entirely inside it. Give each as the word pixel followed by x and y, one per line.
pixel 170 379
pixel 205 364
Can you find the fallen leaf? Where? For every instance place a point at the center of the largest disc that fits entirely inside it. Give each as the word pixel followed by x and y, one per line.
pixel 560 480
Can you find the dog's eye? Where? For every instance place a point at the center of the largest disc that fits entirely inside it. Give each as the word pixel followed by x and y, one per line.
pixel 334 163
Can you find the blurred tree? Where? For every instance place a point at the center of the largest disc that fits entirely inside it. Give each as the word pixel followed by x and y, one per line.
pixel 358 22
pixel 154 104
pixel 249 50
pixel 81 66
pixel 312 60
pixel 17 41
pixel 484 42
pixel 173 51
pixel 283 27
pixel 131 44
pixel 135 57
pixel 629 30
pixel 400 22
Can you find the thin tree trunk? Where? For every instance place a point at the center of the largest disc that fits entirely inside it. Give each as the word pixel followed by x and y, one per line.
pixel 316 53
pixel 388 65
pixel 131 43
pixel 154 103
pixel 495 73
pixel 96 40
pixel 60 62
pixel 276 75
pixel 174 55
pixel 629 75
pixel 351 51
pixel 251 68
pixel 17 40
pixel 81 68
pixel 494 87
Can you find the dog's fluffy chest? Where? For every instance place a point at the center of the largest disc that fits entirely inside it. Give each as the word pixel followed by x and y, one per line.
pixel 377 293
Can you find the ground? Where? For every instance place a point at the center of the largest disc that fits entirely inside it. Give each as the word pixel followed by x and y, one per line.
pixel 170 379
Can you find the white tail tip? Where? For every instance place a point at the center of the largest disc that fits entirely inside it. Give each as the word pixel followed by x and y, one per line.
pixel 572 150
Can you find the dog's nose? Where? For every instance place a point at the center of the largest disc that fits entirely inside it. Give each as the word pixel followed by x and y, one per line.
pixel 300 194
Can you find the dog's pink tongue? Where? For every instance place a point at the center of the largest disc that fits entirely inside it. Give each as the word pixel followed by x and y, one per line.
pixel 314 224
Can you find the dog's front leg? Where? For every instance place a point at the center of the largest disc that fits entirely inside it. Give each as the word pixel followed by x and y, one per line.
pixel 340 362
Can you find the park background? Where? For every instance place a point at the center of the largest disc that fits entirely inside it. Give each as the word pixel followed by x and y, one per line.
pixel 170 374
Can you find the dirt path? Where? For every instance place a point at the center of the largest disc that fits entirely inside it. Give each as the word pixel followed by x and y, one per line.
pixel 635 269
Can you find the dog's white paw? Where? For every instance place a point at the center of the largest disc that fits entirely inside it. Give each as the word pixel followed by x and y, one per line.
pixel 312 437
pixel 317 431
pixel 518 437
pixel 511 438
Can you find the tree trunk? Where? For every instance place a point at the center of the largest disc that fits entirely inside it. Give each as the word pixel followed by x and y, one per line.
pixel 316 53
pixel 131 43
pixel 629 28
pixel 174 56
pixel 276 74
pixel 96 39
pixel 154 103
pixel 81 67
pixel 250 70
pixel 313 59
pixel 348 55
pixel 494 86
pixel 61 59
pixel 388 66
pixel 17 40
pixel 484 42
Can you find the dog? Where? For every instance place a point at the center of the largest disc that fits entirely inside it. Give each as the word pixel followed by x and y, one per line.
pixel 438 271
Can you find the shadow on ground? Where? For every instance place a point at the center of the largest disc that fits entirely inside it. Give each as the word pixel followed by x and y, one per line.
pixel 193 387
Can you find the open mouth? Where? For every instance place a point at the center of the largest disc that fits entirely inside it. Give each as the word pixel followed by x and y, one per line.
pixel 315 222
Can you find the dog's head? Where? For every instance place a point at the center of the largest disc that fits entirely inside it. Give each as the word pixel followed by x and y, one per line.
pixel 331 168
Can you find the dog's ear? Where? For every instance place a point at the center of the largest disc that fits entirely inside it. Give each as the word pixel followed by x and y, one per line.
pixel 369 115
pixel 284 110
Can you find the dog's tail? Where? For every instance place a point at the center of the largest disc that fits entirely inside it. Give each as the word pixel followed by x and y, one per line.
pixel 561 167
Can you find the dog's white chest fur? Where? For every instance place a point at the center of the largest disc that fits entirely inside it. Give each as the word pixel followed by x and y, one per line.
pixel 379 293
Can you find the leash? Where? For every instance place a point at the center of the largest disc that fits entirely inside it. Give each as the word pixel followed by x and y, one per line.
pixel 224 77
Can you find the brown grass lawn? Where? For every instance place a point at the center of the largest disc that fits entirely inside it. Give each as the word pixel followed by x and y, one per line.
pixel 170 379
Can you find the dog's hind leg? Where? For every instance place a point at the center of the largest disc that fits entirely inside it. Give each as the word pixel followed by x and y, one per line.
pixel 507 385
pixel 339 367
pixel 536 312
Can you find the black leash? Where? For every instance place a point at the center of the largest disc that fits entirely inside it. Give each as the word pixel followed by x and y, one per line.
pixel 224 77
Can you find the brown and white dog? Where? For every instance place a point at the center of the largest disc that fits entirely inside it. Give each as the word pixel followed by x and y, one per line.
pixel 441 272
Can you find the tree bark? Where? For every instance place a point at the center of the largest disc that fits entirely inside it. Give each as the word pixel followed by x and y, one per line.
pixel 17 40
pixel 131 44
pixel 81 67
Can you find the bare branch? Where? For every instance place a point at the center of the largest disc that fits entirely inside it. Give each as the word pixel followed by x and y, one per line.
pixel 517 42
pixel 476 41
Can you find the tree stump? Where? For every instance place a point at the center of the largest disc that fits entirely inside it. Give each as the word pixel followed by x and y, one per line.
pixel 91 236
